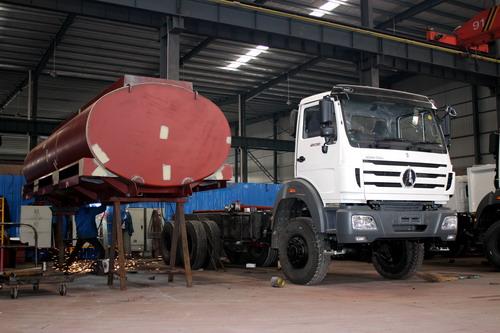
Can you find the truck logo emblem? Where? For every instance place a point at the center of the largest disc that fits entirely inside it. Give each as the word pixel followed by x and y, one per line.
pixel 409 178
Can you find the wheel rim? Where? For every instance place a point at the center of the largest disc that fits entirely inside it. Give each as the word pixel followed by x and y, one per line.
pixel 297 251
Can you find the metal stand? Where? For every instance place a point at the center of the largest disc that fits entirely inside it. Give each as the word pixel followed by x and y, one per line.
pixel 180 224
pixel 117 243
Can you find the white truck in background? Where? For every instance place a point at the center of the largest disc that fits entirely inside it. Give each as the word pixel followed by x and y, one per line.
pixel 477 202
pixel 372 172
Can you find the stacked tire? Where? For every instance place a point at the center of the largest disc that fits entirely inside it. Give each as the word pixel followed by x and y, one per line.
pixel 204 244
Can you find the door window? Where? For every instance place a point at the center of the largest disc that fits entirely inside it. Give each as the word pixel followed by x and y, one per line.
pixel 312 125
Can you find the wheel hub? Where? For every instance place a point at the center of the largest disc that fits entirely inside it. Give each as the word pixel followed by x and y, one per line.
pixel 297 251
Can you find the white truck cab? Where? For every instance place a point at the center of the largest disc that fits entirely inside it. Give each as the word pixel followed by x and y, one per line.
pixel 372 171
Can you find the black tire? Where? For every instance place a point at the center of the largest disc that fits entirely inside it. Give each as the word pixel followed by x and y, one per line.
pixel 492 244
pixel 197 243
pixel 397 259
pixel 263 256
pixel 214 243
pixel 302 252
pixel 166 241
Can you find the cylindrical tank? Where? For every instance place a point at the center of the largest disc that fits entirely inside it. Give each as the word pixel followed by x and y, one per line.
pixel 156 134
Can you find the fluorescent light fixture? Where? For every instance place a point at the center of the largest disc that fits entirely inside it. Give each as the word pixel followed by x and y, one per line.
pixel 252 54
pixel 244 58
pixel 330 5
pixel 234 64
pixel 317 13
pixel 326 7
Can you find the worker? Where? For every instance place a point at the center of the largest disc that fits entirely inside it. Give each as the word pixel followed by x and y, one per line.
pixel 128 230
pixel 86 231
pixel 126 226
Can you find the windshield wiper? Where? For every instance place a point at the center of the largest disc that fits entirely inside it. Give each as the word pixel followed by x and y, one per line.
pixel 429 146
pixel 389 142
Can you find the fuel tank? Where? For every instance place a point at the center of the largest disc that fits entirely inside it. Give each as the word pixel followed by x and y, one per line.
pixel 152 132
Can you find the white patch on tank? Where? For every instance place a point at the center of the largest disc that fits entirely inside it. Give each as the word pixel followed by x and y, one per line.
pixel 100 154
pixel 100 172
pixel 163 132
pixel 167 172
pixel 228 140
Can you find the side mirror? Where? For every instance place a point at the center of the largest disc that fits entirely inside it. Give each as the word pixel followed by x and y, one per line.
pixel 445 121
pixel 327 129
pixel 293 123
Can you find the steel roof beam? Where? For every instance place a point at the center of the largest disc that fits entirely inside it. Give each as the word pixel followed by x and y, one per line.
pixel 410 12
pixel 268 84
pixel 258 25
pixel 196 50
pixel 42 62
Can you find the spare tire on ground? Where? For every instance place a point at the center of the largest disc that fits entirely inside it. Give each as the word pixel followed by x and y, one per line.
pixel 166 241
pixel 214 243
pixel 197 244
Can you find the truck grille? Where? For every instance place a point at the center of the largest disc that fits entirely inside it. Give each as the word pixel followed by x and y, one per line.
pixel 389 174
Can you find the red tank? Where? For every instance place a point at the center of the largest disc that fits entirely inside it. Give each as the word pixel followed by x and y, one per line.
pixel 153 132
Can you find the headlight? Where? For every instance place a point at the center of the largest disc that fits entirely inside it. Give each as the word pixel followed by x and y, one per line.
pixel 449 223
pixel 363 222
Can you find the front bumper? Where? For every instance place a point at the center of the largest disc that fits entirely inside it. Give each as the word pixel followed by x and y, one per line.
pixel 391 224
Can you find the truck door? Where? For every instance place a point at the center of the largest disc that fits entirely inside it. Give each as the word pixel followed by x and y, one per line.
pixel 310 162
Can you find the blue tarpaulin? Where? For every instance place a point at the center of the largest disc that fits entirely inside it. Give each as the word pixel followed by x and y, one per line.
pixel 11 187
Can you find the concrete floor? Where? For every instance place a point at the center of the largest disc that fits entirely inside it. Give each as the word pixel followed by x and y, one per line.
pixel 353 298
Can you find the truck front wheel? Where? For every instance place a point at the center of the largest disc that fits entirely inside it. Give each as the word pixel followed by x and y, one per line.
pixel 302 252
pixel 492 244
pixel 397 259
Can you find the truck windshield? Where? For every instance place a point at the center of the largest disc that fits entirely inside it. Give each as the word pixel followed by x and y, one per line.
pixel 390 123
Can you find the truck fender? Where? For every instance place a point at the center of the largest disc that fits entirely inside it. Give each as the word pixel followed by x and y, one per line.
pixel 297 197
pixel 486 213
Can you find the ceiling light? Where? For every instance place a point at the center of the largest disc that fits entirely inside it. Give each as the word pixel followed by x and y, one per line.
pixel 244 58
pixel 329 6
pixel 234 64
pixel 254 52
pixel 317 13
pixel 262 47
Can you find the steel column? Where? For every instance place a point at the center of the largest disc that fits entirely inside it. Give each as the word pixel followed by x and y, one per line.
pixel 475 124
pixel 242 131
pixel 236 165
pixel 367 13
pixel 275 152
pixel 170 47
pixel 369 72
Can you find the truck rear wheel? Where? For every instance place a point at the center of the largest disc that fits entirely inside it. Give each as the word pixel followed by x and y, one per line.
pixel 302 252
pixel 492 244
pixel 397 259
